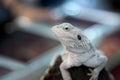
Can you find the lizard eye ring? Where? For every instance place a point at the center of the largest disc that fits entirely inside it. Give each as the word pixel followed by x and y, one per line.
pixel 66 28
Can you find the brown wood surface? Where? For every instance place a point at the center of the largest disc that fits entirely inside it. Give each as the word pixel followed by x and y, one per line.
pixel 77 73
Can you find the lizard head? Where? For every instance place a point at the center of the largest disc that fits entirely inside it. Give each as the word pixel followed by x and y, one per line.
pixel 72 38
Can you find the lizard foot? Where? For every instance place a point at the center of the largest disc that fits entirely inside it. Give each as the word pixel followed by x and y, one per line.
pixel 93 74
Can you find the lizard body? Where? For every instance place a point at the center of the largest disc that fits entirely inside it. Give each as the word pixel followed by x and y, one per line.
pixel 78 51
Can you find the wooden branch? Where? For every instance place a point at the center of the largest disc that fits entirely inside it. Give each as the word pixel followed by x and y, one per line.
pixel 77 73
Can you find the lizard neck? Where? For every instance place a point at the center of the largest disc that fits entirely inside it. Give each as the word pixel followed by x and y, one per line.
pixel 74 47
pixel 90 50
pixel 87 51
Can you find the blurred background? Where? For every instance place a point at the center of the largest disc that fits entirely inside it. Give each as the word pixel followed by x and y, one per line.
pixel 27 44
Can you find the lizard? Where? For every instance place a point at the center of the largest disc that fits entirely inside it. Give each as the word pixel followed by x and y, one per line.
pixel 78 51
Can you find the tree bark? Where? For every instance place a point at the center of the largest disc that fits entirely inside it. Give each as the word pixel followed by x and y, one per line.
pixel 77 73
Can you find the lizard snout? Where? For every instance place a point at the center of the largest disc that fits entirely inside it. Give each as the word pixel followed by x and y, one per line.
pixel 55 30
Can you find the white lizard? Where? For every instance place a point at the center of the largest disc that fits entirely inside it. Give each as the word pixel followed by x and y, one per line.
pixel 78 51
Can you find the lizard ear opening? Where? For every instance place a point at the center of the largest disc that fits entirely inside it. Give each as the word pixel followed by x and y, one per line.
pixel 79 37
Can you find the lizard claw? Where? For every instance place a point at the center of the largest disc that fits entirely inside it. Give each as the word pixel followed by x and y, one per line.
pixel 93 74
pixel 93 78
pixel 91 71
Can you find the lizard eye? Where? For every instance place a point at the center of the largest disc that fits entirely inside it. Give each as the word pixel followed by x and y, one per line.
pixel 66 28
pixel 79 37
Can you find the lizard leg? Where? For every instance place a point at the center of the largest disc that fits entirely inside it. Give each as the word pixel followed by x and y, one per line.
pixel 94 73
pixel 63 68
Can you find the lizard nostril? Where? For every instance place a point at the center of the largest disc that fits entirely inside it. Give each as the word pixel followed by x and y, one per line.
pixel 58 26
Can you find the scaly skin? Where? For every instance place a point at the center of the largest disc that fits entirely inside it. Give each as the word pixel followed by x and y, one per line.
pixel 78 51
